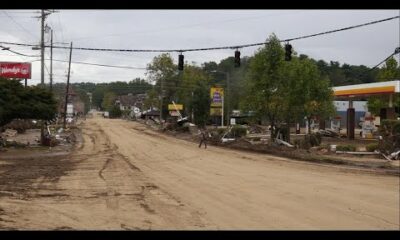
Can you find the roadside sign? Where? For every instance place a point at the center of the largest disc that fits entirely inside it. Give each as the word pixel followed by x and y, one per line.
pixel 15 70
pixel 171 107
pixel 216 95
pixel 215 111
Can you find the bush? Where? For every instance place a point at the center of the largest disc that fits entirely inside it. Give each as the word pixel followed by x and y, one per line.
pixel 217 132
pixel 115 112
pixel 238 131
pixel 183 128
pixel 346 148
pixel 19 125
pixel 390 132
pixel 310 140
pixel 372 147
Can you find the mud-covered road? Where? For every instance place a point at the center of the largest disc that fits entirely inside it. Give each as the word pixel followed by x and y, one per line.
pixel 125 176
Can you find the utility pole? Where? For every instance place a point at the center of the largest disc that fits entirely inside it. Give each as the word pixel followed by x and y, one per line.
pixel 67 90
pixel 43 16
pixel 192 109
pixel 51 61
pixel 42 69
pixel 222 117
pixel 227 98
pixel 161 100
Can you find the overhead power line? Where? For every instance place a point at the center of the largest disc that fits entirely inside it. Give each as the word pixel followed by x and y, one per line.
pixel 377 65
pixel 19 25
pixel 21 54
pixel 212 48
pixel 97 64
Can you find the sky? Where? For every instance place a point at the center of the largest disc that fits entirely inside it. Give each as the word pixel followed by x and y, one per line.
pixel 181 29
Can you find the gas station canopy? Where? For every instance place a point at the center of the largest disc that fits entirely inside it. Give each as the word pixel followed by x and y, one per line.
pixel 366 89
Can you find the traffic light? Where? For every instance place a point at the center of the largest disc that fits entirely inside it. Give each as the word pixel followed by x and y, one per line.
pixel 180 62
pixel 237 58
pixel 288 52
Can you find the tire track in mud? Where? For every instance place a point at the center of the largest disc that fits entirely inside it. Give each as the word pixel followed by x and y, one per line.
pixel 94 187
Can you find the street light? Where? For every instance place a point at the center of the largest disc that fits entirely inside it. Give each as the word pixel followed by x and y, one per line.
pixel 227 105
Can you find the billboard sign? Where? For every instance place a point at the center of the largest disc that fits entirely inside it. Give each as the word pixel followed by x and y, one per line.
pixel 171 107
pixel 15 70
pixel 215 111
pixel 216 95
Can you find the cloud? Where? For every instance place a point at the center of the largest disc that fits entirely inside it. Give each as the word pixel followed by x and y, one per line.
pixel 180 29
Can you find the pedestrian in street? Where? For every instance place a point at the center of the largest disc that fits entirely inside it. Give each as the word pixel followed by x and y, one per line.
pixel 203 138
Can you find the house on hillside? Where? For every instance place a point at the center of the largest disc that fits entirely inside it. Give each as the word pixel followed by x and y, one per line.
pixel 130 101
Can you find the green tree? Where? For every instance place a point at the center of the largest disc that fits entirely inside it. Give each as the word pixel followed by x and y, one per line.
pixel 108 100
pixel 390 71
pixel 115 112
pixel 200 103
pixel 285 92
pixel 308 94
pixel 265 83
pixel 194 93
pixel 164 73
pixel 152 100
pixel 17 101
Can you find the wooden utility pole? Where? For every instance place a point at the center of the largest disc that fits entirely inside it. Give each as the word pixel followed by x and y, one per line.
pixel 43 17
pixel 67 90
pixel 51 61
pixel 161 100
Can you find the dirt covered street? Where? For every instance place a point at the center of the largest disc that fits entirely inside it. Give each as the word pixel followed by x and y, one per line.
pixel 122 175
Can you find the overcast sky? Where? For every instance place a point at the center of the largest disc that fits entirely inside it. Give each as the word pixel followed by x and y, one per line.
pixel 180 29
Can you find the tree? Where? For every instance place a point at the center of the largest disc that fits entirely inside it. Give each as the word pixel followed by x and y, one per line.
pixel 152 100
pixel 194 93
pixel 108 100
pixel 24 103
pixel 115 111
pixel 285 92
pixel 265 83
pixel 390 71
pixel 163 72
pixel 98 95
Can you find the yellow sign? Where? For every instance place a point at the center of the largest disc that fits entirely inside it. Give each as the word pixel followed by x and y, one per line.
pixel 171 107
pixel 215 111
pixel 216 95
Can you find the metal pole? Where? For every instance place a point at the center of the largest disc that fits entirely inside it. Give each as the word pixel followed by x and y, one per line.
pixel 222 118
pixel 26 82
pixel 192 109
pixel 227 97
pixel 67 91
pixel 51 61
pixel 161 100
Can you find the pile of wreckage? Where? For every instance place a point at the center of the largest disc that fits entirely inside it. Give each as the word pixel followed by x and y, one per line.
pixel 31 138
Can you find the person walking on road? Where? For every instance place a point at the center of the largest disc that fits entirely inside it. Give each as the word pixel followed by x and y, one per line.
pixel 203 138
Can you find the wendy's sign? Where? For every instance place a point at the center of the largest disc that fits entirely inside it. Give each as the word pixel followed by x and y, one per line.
pixel 15 70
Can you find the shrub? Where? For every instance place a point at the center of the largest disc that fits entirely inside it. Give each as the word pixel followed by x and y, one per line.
pixel 115 112
pixel 346 148
pixel 372 147
pixel 390 132
pixel 310 140
pixel 19 125
pixel 238 131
